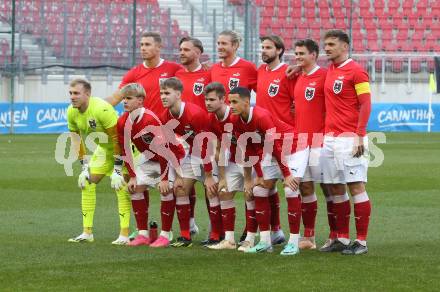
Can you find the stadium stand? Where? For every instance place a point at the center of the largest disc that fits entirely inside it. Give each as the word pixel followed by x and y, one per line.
pixel 104 36
pixel 378 26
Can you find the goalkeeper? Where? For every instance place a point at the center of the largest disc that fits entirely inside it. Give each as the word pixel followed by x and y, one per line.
pixel 89 115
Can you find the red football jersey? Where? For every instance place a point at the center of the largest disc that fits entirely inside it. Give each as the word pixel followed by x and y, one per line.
pixel 240 73
pixel 343 84
pixel 150 79
pixel 310 105
pixel 260 121
pixel 275 92
pixel 129 127
pixel 218 128
pixel 194 84
pixel 192 121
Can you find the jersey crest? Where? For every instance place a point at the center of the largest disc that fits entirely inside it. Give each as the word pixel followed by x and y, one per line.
pixel 233 82
pixel 310 93
pixel 198 88
pixel 337 86
pixel 92 124
pixel 147 138
pixel 273 89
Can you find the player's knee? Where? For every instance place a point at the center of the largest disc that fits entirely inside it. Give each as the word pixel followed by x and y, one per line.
pixel 95 178
pixel 269 184
pixel 306 189
pixel 337 189
pixel 356 188
pixel 226 196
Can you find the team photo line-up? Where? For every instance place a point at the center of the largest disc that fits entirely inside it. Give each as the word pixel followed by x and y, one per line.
pixel 190 122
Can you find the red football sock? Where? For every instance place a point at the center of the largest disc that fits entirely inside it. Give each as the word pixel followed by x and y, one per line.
pixel 192 201
pixel 215 215
pixel 331 218
pixel 140 210
pixel 183 212
pixel 262 208
pixel 293 210
pixel 167 205
pixel 309 208
pixel 274 200
pixel 251 219
pixel 228 214
pixel 342 209
pixel 362 212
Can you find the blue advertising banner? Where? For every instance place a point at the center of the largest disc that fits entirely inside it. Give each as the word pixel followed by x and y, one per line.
pixel 36 118
pixel 32 118
pixel 414 117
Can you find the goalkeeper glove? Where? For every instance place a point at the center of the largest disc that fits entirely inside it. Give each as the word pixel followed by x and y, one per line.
pixel 117 180
pixel 84 176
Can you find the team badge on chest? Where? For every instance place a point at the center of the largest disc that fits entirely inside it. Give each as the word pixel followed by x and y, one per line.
pixel 233 82
pixel 92 124
pixel 337 86
pixel 310 93
pixel 198 88
pixel 273 89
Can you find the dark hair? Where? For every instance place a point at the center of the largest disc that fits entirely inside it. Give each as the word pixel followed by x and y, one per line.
pixel 173 83
pixel 86 85
pixel 195 41
pixel 278 42
pixel 152 34
pixel 310 44
pixel 243 92
pixel 217 87
pixel 339 34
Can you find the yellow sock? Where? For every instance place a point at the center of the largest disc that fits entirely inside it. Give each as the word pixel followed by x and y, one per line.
pixel 87 230
pixel 124 231
pixel 124 207
pixel 88 203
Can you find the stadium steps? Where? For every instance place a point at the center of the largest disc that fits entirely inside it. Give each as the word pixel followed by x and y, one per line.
pixel 182 14
pixel 31 50
pixel 181 11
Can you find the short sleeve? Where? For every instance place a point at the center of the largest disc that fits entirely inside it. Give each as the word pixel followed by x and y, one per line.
pixel 129 77
pixel 107 115
pixel 71 123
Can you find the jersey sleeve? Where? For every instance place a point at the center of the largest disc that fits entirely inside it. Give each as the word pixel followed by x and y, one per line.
pixel 71 123
pixel 201 124
pixel 107 115
pixel 121 140
pixel 129 77
pixel 362 88
pixel 361 82
pixel 252 77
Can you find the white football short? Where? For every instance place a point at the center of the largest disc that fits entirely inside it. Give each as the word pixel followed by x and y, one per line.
pixel 192 167
pixel 337 161
pixel 313 170
pixel 296 162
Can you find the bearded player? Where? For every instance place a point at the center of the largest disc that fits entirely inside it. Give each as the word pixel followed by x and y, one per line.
pixel 345 150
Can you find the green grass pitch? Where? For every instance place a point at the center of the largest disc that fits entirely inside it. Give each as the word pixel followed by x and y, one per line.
pixel 40 210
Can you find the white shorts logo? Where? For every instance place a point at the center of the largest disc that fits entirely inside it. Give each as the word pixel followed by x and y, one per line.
pixel 309 93
pixel 337 86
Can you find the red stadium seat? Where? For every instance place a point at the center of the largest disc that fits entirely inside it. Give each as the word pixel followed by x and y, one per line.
pixel 407 5
pixel 396 65
pixel 416 65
